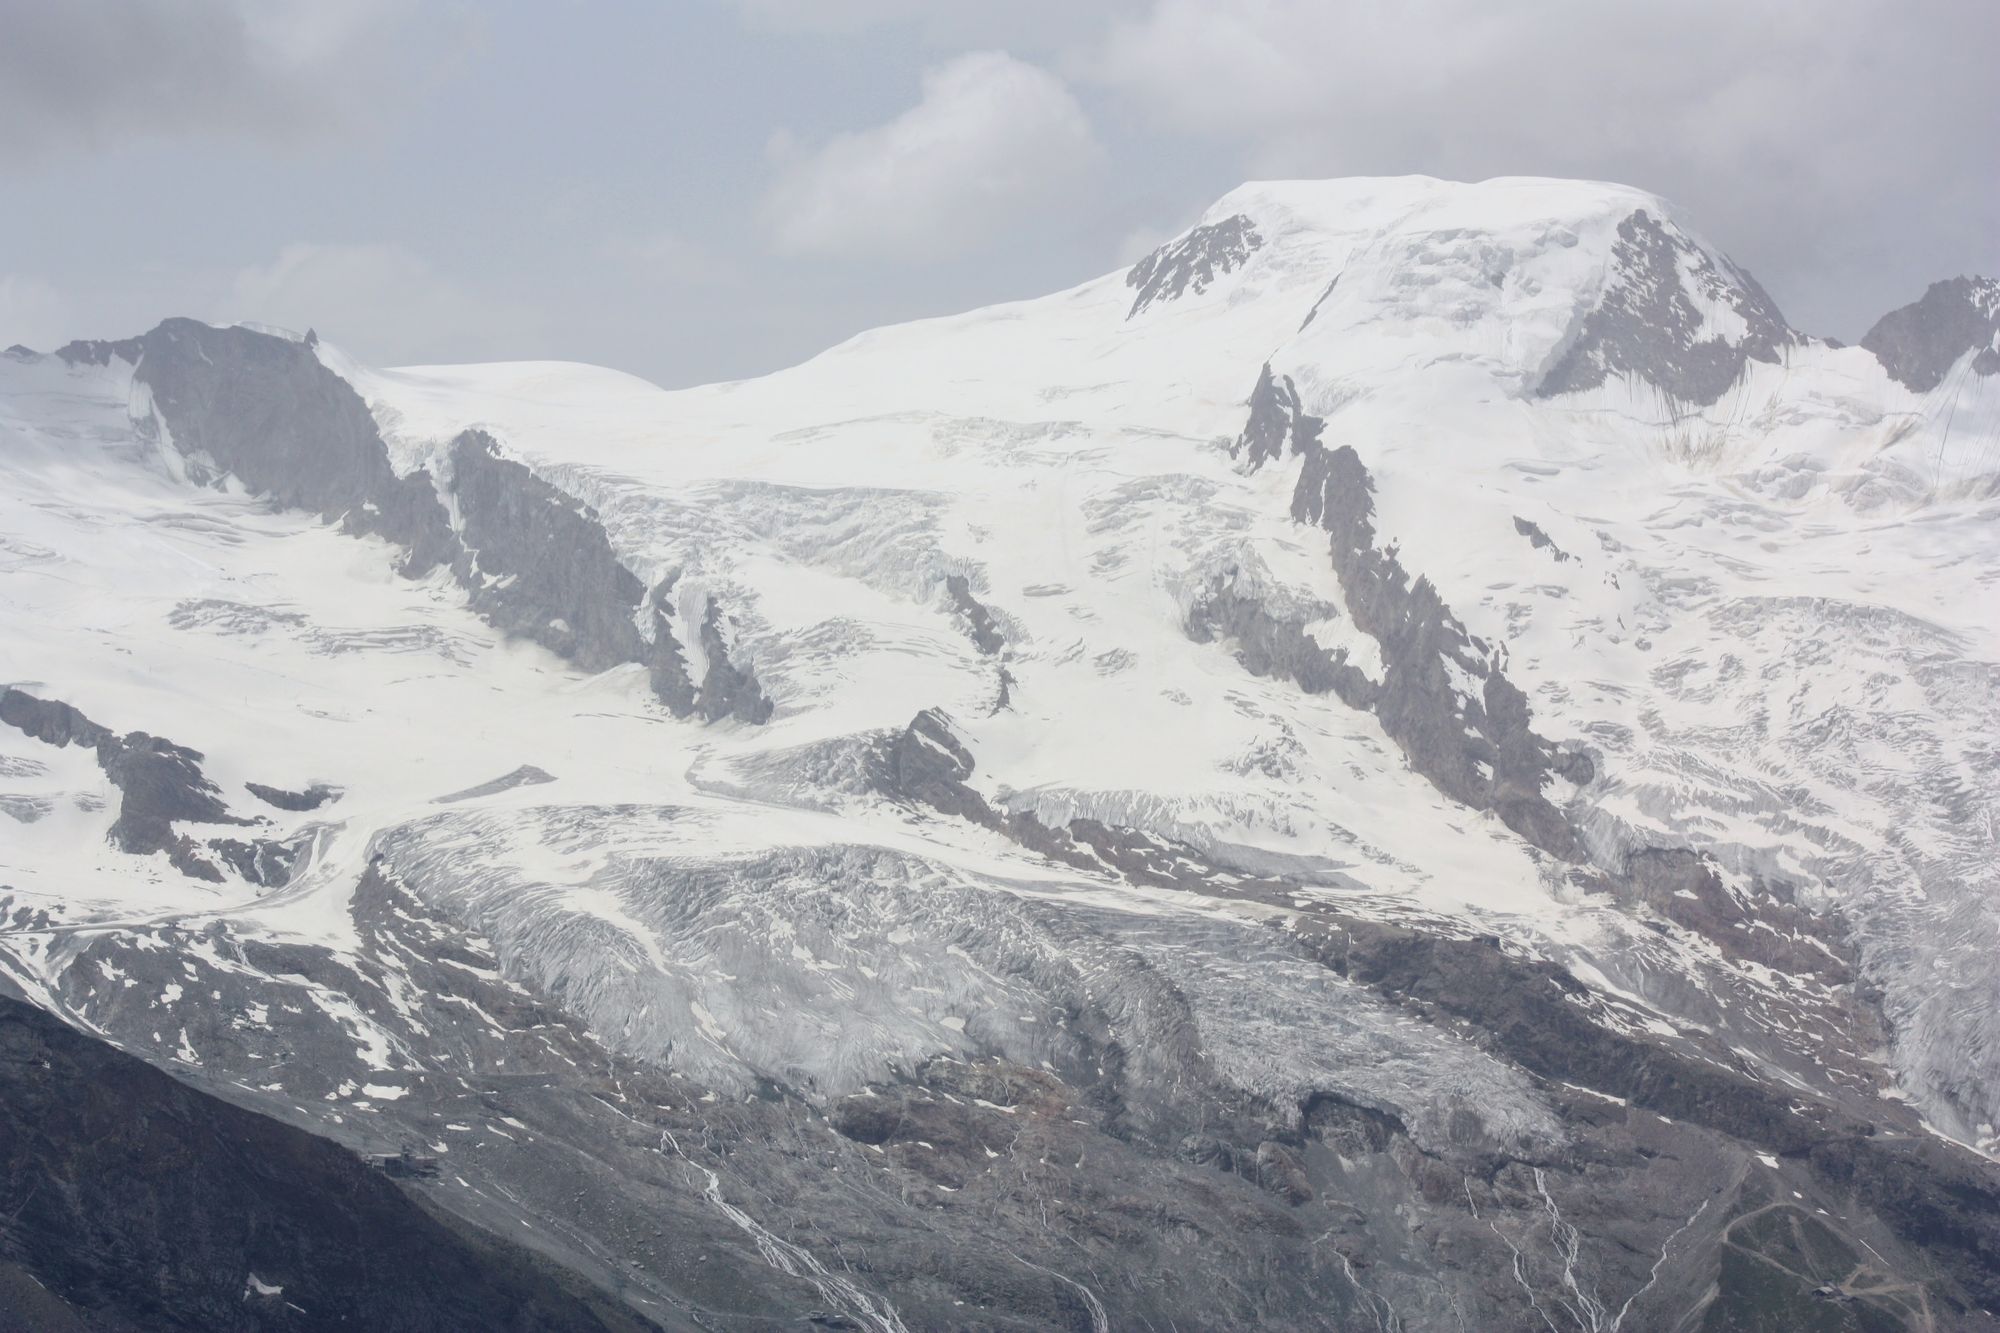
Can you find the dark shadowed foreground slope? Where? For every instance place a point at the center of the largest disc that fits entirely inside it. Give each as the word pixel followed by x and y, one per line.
pixel 131 1201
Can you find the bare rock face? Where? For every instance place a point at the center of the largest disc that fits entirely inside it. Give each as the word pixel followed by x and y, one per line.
pixel 1541 540
pixel 1477 747
pixel 535 562
pixel 1920 343
pixel 160 784
pixel 1672 315
pixel 527 775
pixel 980 625
pixel 1192 262
pixel 1269 643
pixel 1277 422
pixel 266 410
pixel 312 798
pixel 727 690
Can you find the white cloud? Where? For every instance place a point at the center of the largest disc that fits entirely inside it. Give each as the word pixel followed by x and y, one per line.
pixel 1796 130
pixel 90 73
pixel 670 258
pixel 382 302
pixel 961 22
pixel 1546 79
pixel 991 140
pixel 837 15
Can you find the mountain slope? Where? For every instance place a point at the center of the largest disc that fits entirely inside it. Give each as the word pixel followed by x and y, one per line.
pixel 1419 758
pixel 137 1202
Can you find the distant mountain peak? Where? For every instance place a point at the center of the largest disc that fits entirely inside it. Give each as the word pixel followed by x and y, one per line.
pixel 1919 343
pixel 1556 286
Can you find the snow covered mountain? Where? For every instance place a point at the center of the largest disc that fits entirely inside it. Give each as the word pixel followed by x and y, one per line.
pixel 1418 760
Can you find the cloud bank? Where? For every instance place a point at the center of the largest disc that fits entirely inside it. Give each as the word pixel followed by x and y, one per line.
pixel 991 141
pixel 99 73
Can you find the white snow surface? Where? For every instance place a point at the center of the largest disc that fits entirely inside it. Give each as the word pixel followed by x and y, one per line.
pixel 1774 631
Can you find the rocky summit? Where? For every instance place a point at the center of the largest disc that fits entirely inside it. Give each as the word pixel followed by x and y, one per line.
pixel 1420 760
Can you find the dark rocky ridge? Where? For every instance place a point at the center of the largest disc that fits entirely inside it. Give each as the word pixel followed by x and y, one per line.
pixel 312 798
pixel 1480 751
pixel 159 783
pixel 50 721
pixel 926 764
pixel 95 351
pixel 985 631
pixel 1271 645
pixel 1649 325
pixel 1193 261
pixel 1919 343
pixel 527 775
pixel 1276 420
pixel 727 690
pixel 535 561
pixel 265 409
pixel 1540 540
pixel 980 626
pixel 134 1202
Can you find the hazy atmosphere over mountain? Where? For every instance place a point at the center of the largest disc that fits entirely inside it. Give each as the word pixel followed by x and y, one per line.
pixel 1327 667
pixel 714 188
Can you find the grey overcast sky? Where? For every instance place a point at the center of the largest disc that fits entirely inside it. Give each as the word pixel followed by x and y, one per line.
pixel 703 189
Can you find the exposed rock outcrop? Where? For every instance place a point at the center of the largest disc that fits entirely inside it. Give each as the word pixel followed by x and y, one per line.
pixel 266 410
pixel 1276 421
pixel 159 783
pixel 312 798
pixel 1920 343
pixel 1192 262
pixel 727 690
pixel 1673 315
pixel 535 561
pixel 1540 540
pixel 1270 644
pixel 1477 748
pixel 980 625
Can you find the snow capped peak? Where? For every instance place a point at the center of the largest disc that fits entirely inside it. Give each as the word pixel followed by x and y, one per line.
pixel 1348 203
pixel 1556 286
